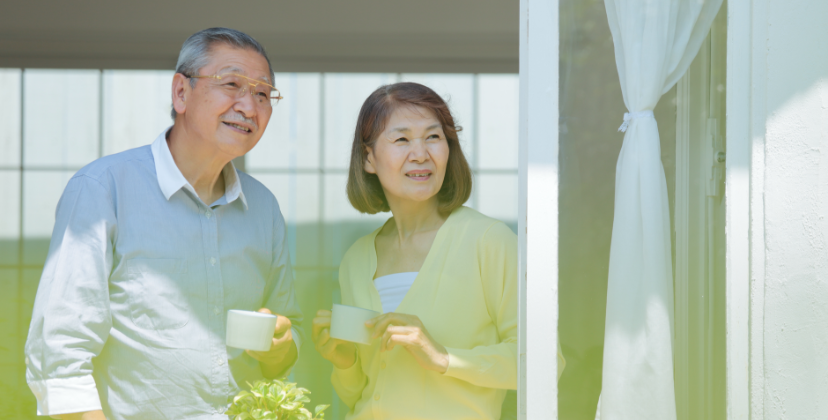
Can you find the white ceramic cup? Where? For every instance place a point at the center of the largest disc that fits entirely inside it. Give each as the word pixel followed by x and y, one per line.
pixel 348 323
pixel 250 330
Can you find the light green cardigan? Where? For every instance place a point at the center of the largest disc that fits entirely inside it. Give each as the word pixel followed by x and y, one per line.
pixel 466 296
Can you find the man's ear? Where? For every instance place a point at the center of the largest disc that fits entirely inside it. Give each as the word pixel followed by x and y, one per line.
pixel 180 92
pixel 369 161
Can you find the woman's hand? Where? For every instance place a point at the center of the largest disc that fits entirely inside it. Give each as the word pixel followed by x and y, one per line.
pixel 341 353
pixel 408 331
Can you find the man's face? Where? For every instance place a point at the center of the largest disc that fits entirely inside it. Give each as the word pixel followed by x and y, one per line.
pixel 227 124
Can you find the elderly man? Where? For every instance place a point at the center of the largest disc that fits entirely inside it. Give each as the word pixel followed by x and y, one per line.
pixel 152 246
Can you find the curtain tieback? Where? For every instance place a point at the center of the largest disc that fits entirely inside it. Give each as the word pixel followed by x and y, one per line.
pixel 629 116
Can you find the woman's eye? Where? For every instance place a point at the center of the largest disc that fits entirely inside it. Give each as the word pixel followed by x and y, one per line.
pixel 401 139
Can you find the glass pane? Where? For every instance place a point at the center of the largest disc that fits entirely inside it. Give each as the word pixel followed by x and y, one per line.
pixel 9 354
pixel 498 121
pixel 591 110
pixel 291 139
pixel 61 117
pixel 12 373
pixel 41 193
pixel 497 197
pixel 343 223
pixel 28 291
pixel 298 196
pixel 10 222
pixel 136 108
pixel 344 95
pixel 10 117
pixel 458 91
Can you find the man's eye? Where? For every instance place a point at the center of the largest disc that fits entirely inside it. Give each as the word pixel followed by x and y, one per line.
pixel 231 84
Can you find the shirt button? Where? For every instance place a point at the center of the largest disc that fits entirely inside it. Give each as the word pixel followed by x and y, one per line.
pixel 208 214
pixel 217 310
pixel 220 362
pixel 376 396
pixel 212 261
pixel 382 365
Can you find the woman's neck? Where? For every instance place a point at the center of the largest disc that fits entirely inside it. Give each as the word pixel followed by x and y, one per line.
pixel 411 218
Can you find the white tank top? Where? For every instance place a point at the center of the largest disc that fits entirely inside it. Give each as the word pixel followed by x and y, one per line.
pixel 392 289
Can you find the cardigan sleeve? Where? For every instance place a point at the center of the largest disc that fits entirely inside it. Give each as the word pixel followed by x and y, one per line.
pixel 349 383
pixel 494 366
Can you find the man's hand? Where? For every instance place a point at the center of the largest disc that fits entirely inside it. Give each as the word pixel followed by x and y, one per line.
pixel 282 351
pixel 89 415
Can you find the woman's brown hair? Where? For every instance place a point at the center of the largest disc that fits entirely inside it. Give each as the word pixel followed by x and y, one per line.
pixel 364 189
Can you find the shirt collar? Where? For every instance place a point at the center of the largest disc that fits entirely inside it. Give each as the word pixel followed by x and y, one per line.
pixel 170 178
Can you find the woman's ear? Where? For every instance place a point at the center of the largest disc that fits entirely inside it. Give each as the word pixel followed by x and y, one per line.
pixel 180 91
pixel 369 161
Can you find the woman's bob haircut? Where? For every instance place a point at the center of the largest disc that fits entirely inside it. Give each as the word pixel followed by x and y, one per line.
pixel 364 189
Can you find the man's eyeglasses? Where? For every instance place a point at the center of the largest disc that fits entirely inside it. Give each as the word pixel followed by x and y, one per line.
pixel 235 85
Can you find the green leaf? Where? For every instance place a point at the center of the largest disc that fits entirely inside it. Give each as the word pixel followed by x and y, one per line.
pixel 273 400
pixel 290 406
pixel 320 408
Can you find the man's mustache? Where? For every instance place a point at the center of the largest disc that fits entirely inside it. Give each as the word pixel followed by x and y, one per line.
pixel 236 117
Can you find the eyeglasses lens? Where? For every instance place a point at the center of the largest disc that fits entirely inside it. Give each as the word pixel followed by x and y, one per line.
pixel 263 94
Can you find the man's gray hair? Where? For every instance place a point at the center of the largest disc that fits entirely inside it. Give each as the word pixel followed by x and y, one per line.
pixel 195 53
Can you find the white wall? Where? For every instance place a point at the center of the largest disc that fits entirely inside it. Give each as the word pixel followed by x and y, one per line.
pixel 796 206
pixel 788 126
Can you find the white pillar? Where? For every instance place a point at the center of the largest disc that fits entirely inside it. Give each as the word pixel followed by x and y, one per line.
pixel 538 210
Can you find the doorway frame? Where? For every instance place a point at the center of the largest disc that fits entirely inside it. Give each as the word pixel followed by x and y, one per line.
pixel 744 229
pixel 538 208
pixel 699 224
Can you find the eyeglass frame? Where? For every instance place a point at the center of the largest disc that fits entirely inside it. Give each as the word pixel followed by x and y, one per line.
pixel 250 82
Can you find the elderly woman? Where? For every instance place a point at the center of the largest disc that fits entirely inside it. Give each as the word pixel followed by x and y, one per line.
pixel 443 275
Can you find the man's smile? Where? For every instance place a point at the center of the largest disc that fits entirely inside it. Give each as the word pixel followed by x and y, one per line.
pixel 238 127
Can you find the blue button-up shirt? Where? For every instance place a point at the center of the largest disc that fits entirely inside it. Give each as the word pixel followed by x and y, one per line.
pixel 130 313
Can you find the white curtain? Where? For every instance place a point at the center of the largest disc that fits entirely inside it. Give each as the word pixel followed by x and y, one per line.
pixel 655 42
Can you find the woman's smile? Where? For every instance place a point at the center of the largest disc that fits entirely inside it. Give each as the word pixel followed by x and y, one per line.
pixel 419 175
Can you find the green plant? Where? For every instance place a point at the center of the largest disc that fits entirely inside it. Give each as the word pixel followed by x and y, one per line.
pixel 274 400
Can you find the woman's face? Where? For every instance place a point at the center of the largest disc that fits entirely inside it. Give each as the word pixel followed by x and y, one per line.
pixel 409 157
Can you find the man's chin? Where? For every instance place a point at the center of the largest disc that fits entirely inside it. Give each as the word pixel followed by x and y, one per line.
pixel 237 147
